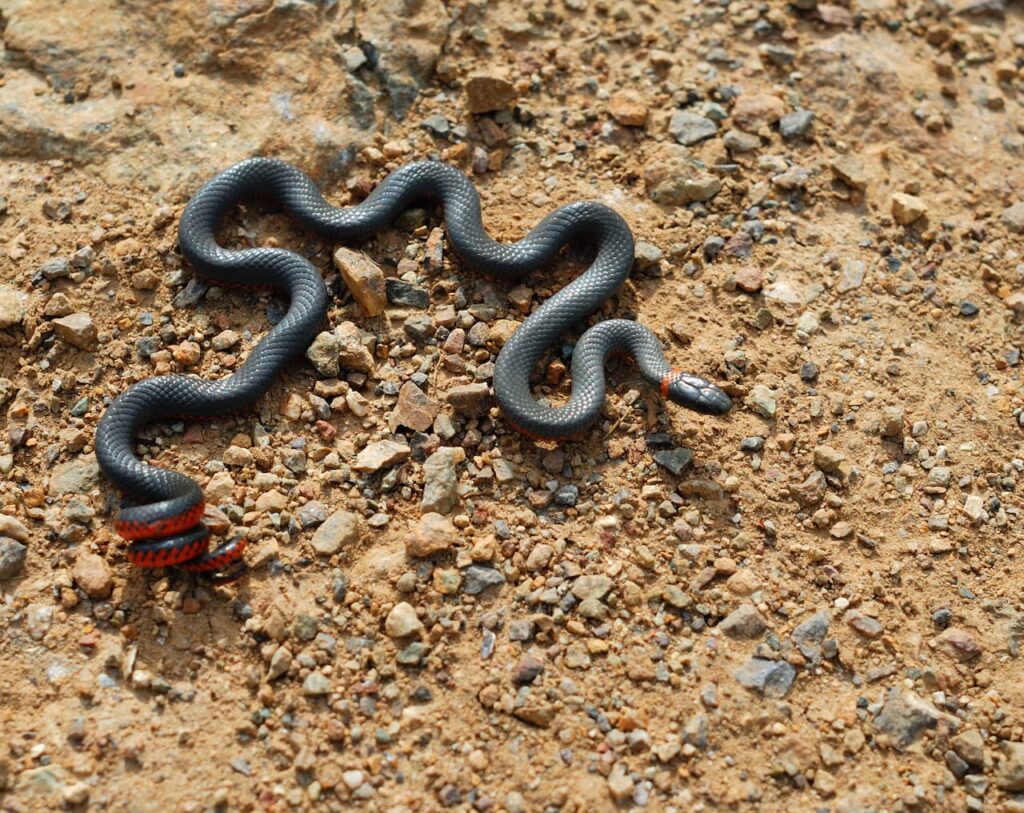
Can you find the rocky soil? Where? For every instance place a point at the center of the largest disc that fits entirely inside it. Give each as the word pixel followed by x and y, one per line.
pixel 815 602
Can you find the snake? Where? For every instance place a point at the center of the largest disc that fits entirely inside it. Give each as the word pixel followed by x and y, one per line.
pixel 162 510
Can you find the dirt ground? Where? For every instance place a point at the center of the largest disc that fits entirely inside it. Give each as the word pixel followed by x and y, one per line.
pixel 812 603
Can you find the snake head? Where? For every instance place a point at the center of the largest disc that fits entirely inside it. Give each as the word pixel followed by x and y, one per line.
pixel 695 393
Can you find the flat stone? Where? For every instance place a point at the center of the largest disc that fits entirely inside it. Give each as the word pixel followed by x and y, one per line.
pixel 628 109
pixel 959 643
pixel 469 399
pixel 402 621
pixel 440 480
pixel 809 634
pixel 402 294
pixel 382 454
pixel 592 586
pixel 852 276
pixel 904 716
pixel 12 557
pixel 13 527
pixel 77 476
pixel 340 530
pixel 690 128
pixel 970 746
pixel 433 533
pixel 851 172
pixel 1013 218
pixel 863 625
pixel 364 278
pixel 744 623
pixel 488 92
pixel 415 409
pixel 92 574
pixel 770 678
pixel 762 400
pixel 77 329
pixel 479 578
pixel 13 306
pixel 676 461
pixel 752 112
pixel 907 209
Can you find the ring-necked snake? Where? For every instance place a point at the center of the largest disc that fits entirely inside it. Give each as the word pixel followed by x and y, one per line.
pixel 163 511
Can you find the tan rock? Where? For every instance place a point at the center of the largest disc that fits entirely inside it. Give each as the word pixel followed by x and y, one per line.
pixel 92 574
pixel 77 329
pixel 380 455
pixel 414 409
pixel 364 278
pixel 488 92
pixel 753 112
pixel 907 209
pixel 628 109
pixel 434 533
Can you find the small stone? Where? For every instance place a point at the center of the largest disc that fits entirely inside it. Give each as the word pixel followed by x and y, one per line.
pixel 1013 218
pixel 13 306
pixel 744 623
pixel 891 423
pixel 486 93
pixel 479 578
pixel 340 530
pixel 77 476
pixel 762 400
pixel 752 112
pixel 863 625
pixel 323 354
pixel 794 178
pixel 828 459
pixel 796 124
pixel 527 670
pixel 736 141
pixel 851 172
pixel 383 454
pixel 92 574
pixel 280 663
pixel 907 209
pixel 364 279
pixel 970 746
pixel 353 354
pixel 316 684
pixel 402 621
pixel 671 178
pixel 750 279
pixel 402 294
pixel 620 784
pixel 433 533
pixel 75 794
pixel 675 461
pixel 77 329
pixel 596 586
pixel 13 527
pixel 968 309
pixel 1010 773
pixel 959 643
pixel 904 716
pixel 773 679
pixel 469 399
pixel 852 276
pixel 974 508
pixel 440 480
pixel 628 109
pixel 12 557
pixel 691 128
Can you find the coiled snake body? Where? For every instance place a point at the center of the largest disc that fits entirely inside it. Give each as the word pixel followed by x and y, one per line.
pixel 163 513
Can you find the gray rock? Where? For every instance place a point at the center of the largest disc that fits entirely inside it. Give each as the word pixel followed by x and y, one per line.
pixel 479 578
pixel 852 276
pixel 1010 775
pixel 770 678
pixel 691 128
pixel 469 399
pixel 12 557
pixel 1013 218
pixel 341 530
pixel 675 460
pixel 592 586
pixel 406 295
pixel 745 622
pixel 190 295
pixel 736 141
pixel 78 476
pixel 796 124
pixel 904 716
pixel 809 634
pixel 316 684
pixel 440 480
pixel 323 354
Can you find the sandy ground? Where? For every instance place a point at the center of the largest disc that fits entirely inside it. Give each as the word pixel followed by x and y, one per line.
pixel 815 602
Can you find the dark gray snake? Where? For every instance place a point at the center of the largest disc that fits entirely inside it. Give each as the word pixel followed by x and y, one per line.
pixel 163 511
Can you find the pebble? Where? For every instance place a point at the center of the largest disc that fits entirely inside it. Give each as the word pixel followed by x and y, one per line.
pixel 772 679
pixel 92 574
pixel 479 578
pixel 1009 775
pixel 402 294
pixel 13 527
pixel 959 643
pixel 863 625
pixel 737 141
pixel 364 279
pixel 595 586
pixel 850 171
pixel 402 621
pixel 12 557
pixel 904 716
pixel 691 128
pixel 78 476
pixel 340 530
pixel 762 400
pixel 796 124
pixel 440 480
pixel 488 92
pixel 628 109
pixel 744 623
pixel 316 684
pixel 77 329
pixel 907 209
pixel 750 279
pixel 1013 218
pixel 469 399
pixel 13 306
pixel 752 112
pixel 381 455
pixel 675 461
pixel 433 533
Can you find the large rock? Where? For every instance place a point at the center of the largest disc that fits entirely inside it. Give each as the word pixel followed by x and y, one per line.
pixel 13 305
pixel 672 178
pixel 364 278
pixel 77 329
pixel 380 455
pixel 1010 774
pixel 78 476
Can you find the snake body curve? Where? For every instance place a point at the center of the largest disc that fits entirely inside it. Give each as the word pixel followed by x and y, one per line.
pixel 163 511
